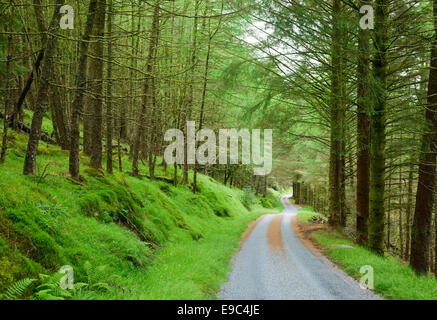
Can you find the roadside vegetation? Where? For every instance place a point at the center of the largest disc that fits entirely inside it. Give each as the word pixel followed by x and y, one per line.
pixel 393 279
pixel 125 237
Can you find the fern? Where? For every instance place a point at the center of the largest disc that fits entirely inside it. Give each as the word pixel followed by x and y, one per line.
pixel 16 290
pixel 46 295
pixel 51 290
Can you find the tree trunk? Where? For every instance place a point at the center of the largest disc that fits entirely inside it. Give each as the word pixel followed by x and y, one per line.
pixel 80 88
pixel 109 120
pixel 363 136
pixel 28 85
pixel 58 118
pixel 401 220
pixel 154 32
pixel 389 195
pixel 42 98
pixel 205 85
pixel 190 90
pixel 421 229
pixel 378 128
pixel 408 213
pixel 8 95
pixel 96 77
pixel 335 162
pixel 435 243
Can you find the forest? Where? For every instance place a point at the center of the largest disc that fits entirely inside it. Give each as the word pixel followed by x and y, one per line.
pixel 89 90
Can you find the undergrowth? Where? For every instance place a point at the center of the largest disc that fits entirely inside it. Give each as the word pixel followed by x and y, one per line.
pixel 393 279
pixel 141 238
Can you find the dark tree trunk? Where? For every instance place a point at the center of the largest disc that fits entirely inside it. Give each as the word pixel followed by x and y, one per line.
pixel 378 128
pixel 421 230
pixel 80 88
pixel 154 32
pixel 202 103
pixel 58 118
pixel 401 220
pixel 190 90
pixel 42 98
pixel 335 162
pixel 28 85
pixel 363 136
pixel 435 243
pixel 96 77
pixel 152 129
pixel 298 193
pixel 408 214
pixel 109 120
pixel 388 211
pixel 8 102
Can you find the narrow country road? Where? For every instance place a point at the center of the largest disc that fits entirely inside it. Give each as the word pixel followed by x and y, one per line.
pixel 273 264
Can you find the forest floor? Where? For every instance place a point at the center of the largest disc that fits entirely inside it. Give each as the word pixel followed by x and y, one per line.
pixel 393 279
pixel 124 237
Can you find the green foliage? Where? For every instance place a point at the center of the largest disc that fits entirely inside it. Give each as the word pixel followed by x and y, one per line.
pixel 50 288
pixel 250 199
pixel 114 230
pixel 308 216
pixel 393 279
pixel 17 289
pixel 265 202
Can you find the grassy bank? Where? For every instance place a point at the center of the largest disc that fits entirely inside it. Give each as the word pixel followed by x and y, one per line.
pixel 393 279
pixel 125 237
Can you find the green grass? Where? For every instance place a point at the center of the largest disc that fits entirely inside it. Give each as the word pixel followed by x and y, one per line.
pixel 142 239
pixel 306 215
pixel 392 278
pixel 186 269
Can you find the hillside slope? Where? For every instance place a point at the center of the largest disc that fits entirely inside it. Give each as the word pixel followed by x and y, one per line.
pixel 125 237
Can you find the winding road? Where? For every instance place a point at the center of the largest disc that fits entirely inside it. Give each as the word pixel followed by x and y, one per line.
pixel 273 264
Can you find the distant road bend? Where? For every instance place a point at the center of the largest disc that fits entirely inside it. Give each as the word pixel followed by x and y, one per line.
pixel 273 264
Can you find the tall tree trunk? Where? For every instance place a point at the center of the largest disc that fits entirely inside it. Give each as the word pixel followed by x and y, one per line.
pixel 421 229
pixel 344 208
pixel 298 193
pixel 109 118
pixel 401 220
pixel 96 77
pixel 153 125
pixel 408 213
pixel 28 85
pixel 190 90
pixel 154 34
pixel 335 162
pixel 389 195
pixel 435 243
pixel 204 89
pixel 58 120
pixel 8 95
pixel 43 88
pixel 87 114
pixel 74 167
pixel 378 130
pixel 363 135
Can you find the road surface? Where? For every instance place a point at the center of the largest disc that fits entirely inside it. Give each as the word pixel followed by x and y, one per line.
pixel 273 264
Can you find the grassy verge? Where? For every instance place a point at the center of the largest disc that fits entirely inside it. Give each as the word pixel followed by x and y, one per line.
pixel 306 215
pixel 194 270
pixel 392 278
pixel 125 237
pixel 184 269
